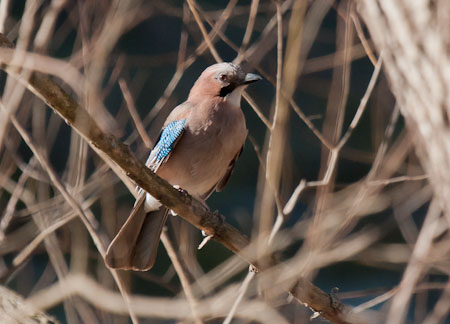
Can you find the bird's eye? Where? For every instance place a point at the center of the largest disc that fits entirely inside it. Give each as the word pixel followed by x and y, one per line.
pixel 223 77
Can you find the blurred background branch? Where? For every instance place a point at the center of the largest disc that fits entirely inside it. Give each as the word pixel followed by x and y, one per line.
pixel 343 180
pixel 418 68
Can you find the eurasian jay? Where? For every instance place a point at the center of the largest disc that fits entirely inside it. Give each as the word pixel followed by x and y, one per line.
pixel 199 144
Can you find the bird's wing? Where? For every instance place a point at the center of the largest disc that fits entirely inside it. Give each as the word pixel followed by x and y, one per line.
pixel 224 180
pixel 171 133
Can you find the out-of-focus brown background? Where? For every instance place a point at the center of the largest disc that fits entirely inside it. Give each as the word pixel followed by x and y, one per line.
pixel 328 158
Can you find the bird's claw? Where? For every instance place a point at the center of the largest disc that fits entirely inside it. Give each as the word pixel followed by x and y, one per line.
pixel 334 299
pixel 183 191
pixel 218 215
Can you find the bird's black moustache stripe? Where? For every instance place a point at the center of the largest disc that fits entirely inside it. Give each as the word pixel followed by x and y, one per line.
pixel 226 90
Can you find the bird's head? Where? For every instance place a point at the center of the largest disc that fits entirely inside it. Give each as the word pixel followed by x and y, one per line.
pixel 222 80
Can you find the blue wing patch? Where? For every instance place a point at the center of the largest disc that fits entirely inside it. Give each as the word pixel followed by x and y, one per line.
pixel 167 141
pixel 168 138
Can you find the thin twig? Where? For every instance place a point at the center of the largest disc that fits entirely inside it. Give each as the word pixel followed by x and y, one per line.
pixel 242 289
pixel 134 114
pixel 362 104
pixel 248 29
pixel 362 37
pixel 203 30
pixel 193 304
pixel 385 182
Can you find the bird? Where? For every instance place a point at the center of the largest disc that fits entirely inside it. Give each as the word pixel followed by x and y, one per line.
pixel 197 149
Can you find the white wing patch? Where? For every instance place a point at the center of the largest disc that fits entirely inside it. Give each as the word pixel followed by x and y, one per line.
pixel 151 203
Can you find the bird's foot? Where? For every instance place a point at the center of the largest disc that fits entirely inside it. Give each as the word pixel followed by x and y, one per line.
pixel 219 216
pixel 183 191
pixel 335 301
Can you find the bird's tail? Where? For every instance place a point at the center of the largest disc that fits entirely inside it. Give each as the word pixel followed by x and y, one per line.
pixel 136 244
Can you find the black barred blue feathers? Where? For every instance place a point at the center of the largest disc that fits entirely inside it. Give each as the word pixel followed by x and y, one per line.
pixel 168 139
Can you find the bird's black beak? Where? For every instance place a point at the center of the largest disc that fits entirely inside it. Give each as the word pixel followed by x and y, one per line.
pixel 250 78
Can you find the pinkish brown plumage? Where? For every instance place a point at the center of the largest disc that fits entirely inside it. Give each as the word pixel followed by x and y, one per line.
pixel 199 144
